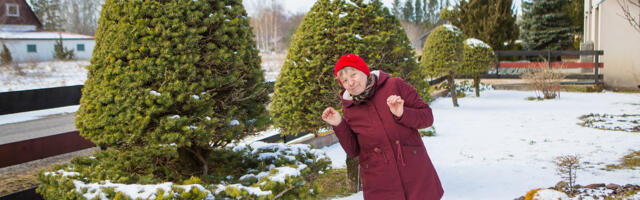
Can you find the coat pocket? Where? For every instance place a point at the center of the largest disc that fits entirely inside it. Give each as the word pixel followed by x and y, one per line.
pixel 373 172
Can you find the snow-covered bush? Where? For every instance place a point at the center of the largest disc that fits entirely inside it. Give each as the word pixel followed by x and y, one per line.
pixel 256 171
pixel 477 58
pixel 442 55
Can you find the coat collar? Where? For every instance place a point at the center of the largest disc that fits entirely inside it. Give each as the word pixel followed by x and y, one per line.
pixel 347 99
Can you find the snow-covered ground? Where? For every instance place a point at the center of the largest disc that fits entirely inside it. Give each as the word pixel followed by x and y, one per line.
pixel 34 75
pixel 500 146
pixel 33 115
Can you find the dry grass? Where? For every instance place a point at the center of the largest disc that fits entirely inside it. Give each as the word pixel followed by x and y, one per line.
pixel 629 161
pixel 334 183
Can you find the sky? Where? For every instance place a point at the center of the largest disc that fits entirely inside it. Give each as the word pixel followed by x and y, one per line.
pixel 297 6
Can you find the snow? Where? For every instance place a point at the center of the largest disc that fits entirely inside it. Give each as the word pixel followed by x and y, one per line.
pixel 154 93
pixel 35 75
pixel 234 123
pixel 196 97
pixel 452 28
pixel 450 8
pixel 192 127
pixel 548 194
pixel 133 191
pixel 43 35
pixel 342 15
pixel 500 145
pixel 286 171
pixel 38 114
pixel 358 37
pixel 174 117
pixel 473 42
pixel 251 190
pixel 62 173
pixel 613 122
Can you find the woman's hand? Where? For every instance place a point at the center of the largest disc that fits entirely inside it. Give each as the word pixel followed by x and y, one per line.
pixel 396 104
pixel 331 116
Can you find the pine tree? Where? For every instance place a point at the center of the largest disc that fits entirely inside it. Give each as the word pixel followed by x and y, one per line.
pixel 5 55
pixel 442 55
pixel 306 85
pixel 477 58
pixel 60 52
pixel 419 11
pixel 173 72
pixel 545 26
pixel 408 11
pixel 492 21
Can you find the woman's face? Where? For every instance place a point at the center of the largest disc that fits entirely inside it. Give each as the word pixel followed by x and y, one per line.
pixel 353 80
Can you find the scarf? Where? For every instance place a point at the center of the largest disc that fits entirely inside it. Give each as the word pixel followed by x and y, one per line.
pixel 368 91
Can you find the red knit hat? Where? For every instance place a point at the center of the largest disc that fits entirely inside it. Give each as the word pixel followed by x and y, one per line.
pixel 351 60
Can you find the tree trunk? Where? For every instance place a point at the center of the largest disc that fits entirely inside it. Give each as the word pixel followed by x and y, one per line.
pixel 195 157
pixel 476 83
pixel 452 88
pixel 352 174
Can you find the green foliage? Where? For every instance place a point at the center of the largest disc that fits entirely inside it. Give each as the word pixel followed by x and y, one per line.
pixel 5 55
pixel 545 26
pixel 477 57
pixel 181 72
pixel 235 170
pixel 428 132
pixel 450 14
pixel 307 85
pixel 442 51
pixel 575 11
pixel 61 52
pixel 491 21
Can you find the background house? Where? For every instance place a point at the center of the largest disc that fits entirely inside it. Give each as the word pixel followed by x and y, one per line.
pixel 20 31
pixel 605 27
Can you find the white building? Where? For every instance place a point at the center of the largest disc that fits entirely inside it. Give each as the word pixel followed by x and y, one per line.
pixel 20 32
pixel 608 30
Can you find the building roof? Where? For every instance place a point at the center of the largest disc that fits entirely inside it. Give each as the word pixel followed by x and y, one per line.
pixel 42 35
pixel 26 14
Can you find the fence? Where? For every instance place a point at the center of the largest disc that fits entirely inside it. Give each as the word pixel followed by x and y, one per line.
pixel 548 54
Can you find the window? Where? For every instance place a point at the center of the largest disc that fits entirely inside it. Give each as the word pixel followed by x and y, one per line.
pixel 31 48
pixel 80 47
pixel 12 10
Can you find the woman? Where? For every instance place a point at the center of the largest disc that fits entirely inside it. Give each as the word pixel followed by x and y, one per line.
pixel 382 116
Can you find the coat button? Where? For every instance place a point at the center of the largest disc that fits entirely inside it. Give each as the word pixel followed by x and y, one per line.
pixel 414 152
pixel 397 141
pixel 377 150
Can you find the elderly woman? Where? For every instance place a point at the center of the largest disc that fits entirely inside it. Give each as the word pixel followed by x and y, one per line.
pixel 382 116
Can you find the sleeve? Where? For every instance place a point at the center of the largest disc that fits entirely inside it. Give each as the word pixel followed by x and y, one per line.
pixel 348 140
pixel 416 114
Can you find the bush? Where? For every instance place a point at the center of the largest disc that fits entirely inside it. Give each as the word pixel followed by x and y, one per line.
pixel 442 55
pixel 60 52
pixel 567 168
pixel 306 84
pixel 5 55
pixel 173 72
pixel 259 171
pixel 544 80
pixel 478 57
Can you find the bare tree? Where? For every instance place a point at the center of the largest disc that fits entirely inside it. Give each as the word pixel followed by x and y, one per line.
pixel 266 22
pixel 627 7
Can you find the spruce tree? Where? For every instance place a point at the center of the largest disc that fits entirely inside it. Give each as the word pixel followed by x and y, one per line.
pixel 442 55
pixel 173 72
pixel 307 85
pixel 492 21
pixel 60 52
pixel 5 55
pixel 545 26
pixel 477 58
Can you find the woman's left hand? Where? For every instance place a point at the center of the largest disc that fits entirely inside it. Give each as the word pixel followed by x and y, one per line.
pixel 395 104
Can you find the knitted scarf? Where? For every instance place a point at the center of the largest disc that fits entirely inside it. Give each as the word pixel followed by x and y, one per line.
pixel 368 91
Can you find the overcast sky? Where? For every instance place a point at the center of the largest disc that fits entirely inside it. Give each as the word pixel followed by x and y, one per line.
pixel 296 6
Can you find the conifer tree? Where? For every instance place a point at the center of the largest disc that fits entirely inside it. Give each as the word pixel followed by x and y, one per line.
pixel 61 52
pixel 173 72
pixel 5 55
pixel 492 21
pixel 477 58
pixel 545 26
pixel 442 55
pixel 307 85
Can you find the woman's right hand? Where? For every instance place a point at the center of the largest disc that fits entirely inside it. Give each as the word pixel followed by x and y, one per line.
pixel 331 116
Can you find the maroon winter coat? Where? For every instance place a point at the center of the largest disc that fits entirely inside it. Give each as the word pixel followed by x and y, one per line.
pixel 393 159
